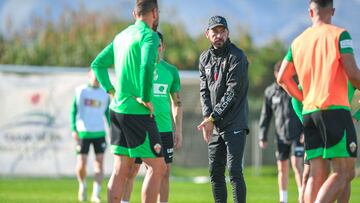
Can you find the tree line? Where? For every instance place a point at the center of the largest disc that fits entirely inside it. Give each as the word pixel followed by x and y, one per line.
pixel 77 37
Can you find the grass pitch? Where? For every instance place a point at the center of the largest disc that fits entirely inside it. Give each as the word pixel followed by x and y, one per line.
pixel 260 188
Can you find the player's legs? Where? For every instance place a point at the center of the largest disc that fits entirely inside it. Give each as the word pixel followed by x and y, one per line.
pixel 151 185
pixel 98 177
pixel 99 148
pixel 297 166
pixel 336 183
pixel 341 148
pixel 81 167
pixel 318 174
pixel 217 164
pixel 129 183
pixel 305 177
pixel 165 185
pixel 82 152
pixel 168 149
pixel 81 176
pixel 283 179
pixel 345 194
pixel 282 156
pixel 314 146
pixel 235 142
pixel 297 162
pixel 122 166
pixel 135 136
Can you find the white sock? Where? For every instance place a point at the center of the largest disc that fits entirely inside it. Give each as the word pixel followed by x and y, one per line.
pixel 283 196
pixel 299 190
pixel 122 201
pixel 82 185
pixel 96 189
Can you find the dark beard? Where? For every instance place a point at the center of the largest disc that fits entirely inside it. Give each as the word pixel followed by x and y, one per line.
pixel 155 25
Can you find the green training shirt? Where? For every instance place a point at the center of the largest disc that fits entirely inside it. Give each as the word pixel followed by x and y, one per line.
pixel 134 53
pixel 166 81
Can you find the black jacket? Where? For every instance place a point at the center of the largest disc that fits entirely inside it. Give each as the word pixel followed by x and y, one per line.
pixel 278 103
pixel 224 86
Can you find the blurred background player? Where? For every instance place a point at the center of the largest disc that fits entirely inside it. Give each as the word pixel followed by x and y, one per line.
pixel 167 103
pixel 288 131
pixel 89 108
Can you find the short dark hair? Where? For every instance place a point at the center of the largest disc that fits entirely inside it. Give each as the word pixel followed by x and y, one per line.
pixel 143 7
pixel 160 36
pixel 323 3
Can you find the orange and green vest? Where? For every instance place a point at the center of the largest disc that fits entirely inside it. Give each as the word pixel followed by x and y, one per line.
pixel 316 56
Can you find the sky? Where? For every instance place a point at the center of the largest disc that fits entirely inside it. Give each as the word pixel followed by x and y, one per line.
pixel 264 19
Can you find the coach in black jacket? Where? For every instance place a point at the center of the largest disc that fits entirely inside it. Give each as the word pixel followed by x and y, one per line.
pixel 288 128
pixel 223 94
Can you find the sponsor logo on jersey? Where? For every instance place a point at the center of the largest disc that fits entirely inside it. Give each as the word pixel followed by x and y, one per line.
pixel 160 89
pixel 92 103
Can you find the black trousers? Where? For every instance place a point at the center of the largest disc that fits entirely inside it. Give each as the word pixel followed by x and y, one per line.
pixel 227 148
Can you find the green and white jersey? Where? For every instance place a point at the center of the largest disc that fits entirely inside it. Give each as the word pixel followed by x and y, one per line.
pixel 89 108
pixel 166 81
pixel 134 52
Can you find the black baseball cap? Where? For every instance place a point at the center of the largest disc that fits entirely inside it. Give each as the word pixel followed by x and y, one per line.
pixel 216 21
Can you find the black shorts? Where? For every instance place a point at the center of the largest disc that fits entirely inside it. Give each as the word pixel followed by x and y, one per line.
pixel 284 150
pixel 135 136
pixel 83 145
pixel 168 147
pixel 329 134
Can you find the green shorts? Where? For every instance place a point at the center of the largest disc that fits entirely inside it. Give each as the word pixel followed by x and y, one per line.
pixel 135 136
pixel 329 134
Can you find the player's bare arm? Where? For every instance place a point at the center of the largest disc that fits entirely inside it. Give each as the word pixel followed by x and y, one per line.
pixel 286 79
pixel 351 69
pixel 177 112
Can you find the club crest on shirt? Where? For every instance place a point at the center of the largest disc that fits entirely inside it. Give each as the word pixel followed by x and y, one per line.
pixel 352 147
pixel 157 148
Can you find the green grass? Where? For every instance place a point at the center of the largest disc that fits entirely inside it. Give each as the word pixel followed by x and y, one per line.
pixel 262 188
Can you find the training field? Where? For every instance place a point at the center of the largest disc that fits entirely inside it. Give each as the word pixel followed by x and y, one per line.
pixel 261 189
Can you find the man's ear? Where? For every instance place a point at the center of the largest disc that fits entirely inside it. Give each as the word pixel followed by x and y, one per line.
pixel 207 34
pixel 154 13
pixel 311 12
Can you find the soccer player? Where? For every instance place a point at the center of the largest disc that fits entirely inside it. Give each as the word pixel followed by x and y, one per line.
pixel 322 58
pixel 288 131
pixel 133 129
pixel 89 107
pixel 298 108
pixel 166 86
pixel 223 94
